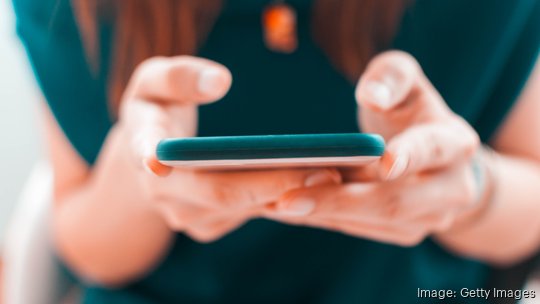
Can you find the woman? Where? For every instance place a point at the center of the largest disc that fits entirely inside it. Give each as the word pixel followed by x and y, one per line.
pixel 434 214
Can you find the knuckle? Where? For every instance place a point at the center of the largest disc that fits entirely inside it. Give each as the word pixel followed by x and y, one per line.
pixel 199 236
pixel 472 145
pixel 411 240
pixel 203 235
pixel 174 224
pixel 436 148
pixel 471 139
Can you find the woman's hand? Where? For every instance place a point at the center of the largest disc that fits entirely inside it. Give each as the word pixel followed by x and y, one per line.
pixel 128 202
pixel 161 101
pixel 425 182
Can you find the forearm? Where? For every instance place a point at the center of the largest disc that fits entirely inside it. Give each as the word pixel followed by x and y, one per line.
pixel 106 241
pixel 508 230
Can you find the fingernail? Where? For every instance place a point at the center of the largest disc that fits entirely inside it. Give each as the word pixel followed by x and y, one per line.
pixel 379 94
pixel 398 167
pixel 211 82
pixel 153 166
pixel 320 178
pixel 298 207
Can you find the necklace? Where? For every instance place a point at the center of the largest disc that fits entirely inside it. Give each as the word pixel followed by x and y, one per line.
pixel 279 27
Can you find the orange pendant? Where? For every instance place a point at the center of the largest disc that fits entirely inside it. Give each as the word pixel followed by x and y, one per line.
pixel 279 25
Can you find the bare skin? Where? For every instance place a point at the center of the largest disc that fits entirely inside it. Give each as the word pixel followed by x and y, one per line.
pixel 142 210
pixel 435 192
pixel 133 204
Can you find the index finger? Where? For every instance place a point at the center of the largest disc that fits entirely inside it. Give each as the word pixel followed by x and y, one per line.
pixel 428 147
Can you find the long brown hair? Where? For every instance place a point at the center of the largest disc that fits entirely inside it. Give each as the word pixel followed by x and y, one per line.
pixel 349 31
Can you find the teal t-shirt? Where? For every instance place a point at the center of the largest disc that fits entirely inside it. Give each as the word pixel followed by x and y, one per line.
pixel 478 54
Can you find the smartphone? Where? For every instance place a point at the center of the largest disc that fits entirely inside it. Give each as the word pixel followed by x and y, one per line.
pixel 271 151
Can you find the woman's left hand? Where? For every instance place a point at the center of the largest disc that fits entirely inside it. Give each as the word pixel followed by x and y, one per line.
pixel 425 183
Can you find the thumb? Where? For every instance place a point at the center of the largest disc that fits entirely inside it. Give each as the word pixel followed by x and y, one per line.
pixel 389 78
pixel 161 98
pixel 179 80
pixel 394 94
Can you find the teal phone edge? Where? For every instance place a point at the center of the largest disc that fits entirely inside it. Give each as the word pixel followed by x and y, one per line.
pixel 262 147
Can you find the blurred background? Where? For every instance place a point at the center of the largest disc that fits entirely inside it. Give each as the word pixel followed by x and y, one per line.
pixel 19 126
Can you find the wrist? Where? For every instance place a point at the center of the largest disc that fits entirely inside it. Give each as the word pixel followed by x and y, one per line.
pixel 485 183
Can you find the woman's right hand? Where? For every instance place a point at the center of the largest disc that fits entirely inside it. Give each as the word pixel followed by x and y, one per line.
pixel 161 101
